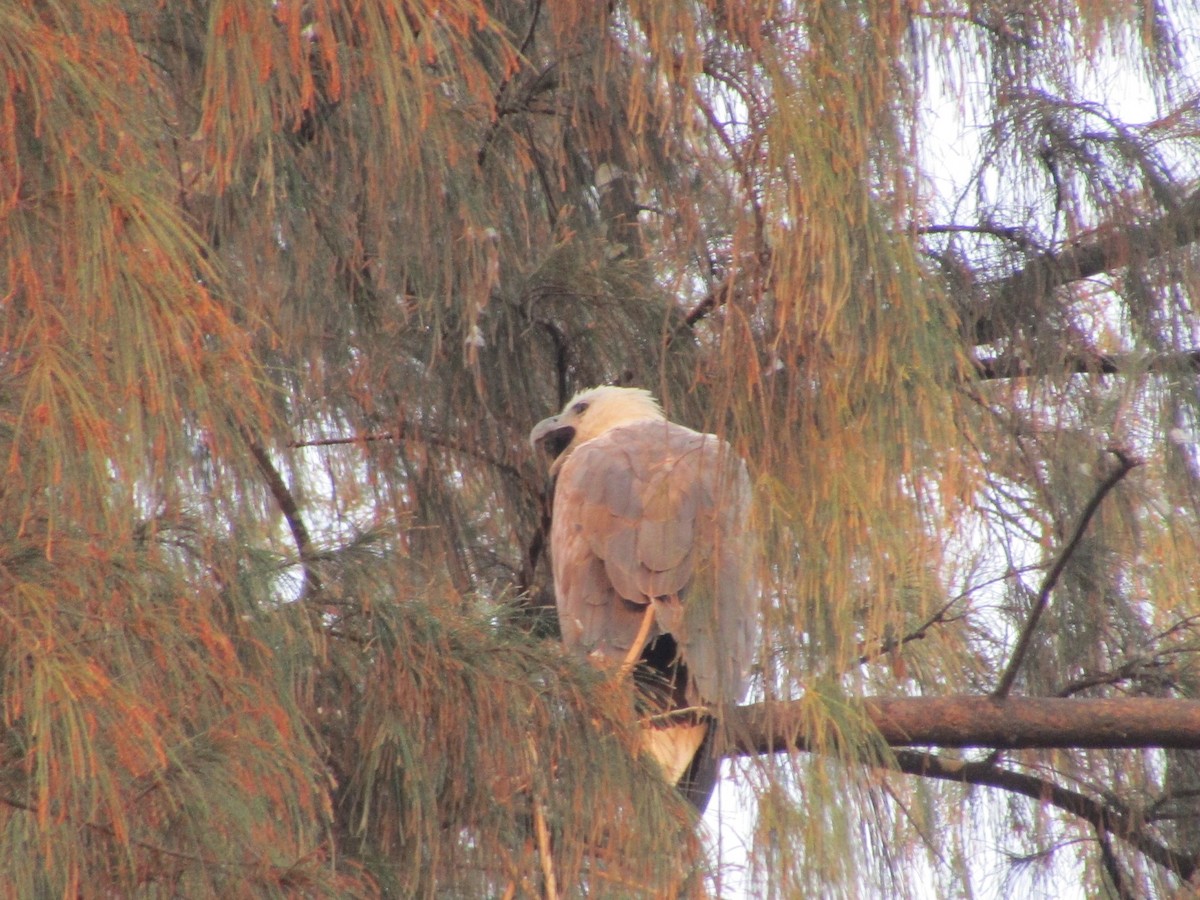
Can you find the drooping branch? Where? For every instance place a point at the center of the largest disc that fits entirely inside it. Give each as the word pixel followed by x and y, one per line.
pixel 1107 818
pixel 502 89
pixel 1125 464
pixel 201 859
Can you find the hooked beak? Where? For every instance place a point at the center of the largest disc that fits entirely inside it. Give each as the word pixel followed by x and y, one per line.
pixel 551 436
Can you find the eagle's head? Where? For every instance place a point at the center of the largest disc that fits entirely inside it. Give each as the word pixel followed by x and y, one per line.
pixel 589 414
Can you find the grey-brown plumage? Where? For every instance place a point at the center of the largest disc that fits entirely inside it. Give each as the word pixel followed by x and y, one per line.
pixel 650 514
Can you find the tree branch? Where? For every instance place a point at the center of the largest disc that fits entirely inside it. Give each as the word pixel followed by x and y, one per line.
pixel 1107 819
pixel 718 296
pixel 1008 723
pixel 1112 866
pixel 291 513
pixel 998 368
pixel 1018 236
pixel 198 859
pixel 405 431
pixel 1126 463
pixel 1108 248
pixel 500 111
pixel 1105 249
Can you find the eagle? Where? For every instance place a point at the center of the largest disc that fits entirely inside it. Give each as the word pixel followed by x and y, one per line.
pixel 652 561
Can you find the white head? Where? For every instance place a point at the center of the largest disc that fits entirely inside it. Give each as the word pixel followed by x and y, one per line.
pixel 588 415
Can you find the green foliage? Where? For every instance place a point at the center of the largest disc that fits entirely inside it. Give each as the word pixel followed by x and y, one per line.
pixel 283 287
pixel 456 723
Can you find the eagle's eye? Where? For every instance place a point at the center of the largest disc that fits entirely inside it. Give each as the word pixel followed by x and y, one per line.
pixel 580 408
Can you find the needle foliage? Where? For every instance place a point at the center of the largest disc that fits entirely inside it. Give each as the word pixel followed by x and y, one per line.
pixel 284 286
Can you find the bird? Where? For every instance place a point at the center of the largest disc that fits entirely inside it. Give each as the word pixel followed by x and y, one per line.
pixel 652 562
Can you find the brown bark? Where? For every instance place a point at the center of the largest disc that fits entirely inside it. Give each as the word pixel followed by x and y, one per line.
pixel 977 721
pixel 1107 249
pixel 1002 723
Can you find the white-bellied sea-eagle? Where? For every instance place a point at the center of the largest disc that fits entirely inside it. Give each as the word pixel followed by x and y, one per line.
pixel 652 565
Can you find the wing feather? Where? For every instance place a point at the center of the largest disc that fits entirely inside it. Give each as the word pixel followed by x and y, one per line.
pixel 653 511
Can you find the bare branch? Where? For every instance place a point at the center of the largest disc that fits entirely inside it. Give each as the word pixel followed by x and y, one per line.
pixel 291 513
pixel 406 431
pixel 1107 819
pixel 1126 464
pixel 941 616
pixel 1018 236
pixel 718 296
pixel 997 368
pixel 1133 669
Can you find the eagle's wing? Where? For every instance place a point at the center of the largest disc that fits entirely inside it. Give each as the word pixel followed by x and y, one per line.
pixel 655 512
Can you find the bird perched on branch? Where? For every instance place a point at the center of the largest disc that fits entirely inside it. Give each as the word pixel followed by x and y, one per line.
pixel 652 562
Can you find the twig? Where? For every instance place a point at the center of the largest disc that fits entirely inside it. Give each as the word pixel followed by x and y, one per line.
pixel 1125 672
pixel 543 841
pixel 919 633
pixel 1126 463
pixel 404 431
pixel 940 617
pixel 481 156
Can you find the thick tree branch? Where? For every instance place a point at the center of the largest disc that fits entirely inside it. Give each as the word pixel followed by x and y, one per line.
pixel 1106 249
pixel 1009 723
pixel 977 721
